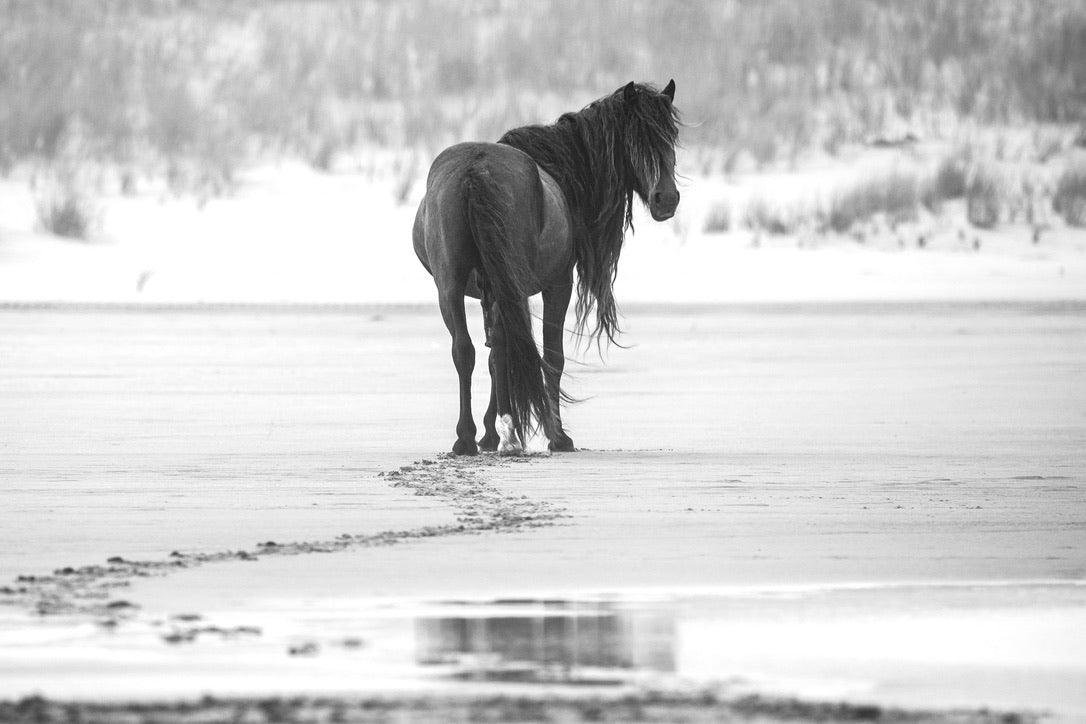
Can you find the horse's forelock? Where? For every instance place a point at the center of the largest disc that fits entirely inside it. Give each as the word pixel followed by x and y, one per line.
pixel 651 134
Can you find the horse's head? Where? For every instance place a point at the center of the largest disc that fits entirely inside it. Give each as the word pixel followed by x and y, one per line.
pixel 652 128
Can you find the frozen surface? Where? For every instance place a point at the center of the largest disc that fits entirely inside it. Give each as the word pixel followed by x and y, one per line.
pixel 876 502
pixel 138 434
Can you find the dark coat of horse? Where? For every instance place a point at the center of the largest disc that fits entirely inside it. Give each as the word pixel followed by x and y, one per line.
pixel 503 221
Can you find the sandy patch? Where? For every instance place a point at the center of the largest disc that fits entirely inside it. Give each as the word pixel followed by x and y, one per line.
pixel 921 464
pixel 644 707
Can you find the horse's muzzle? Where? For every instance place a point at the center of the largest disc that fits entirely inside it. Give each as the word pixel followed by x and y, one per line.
pixel 663 204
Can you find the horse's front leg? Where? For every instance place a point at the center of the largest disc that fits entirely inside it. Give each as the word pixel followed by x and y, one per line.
pixel 555 304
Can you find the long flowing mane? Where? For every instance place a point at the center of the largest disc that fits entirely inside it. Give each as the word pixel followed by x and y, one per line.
pixel 601 156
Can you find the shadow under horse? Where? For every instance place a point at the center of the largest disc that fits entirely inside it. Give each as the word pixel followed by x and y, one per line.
pixel 503 221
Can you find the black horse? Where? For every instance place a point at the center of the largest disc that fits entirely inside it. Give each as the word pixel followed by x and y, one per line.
pixel 503 221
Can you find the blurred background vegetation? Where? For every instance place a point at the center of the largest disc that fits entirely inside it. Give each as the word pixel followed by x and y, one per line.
pixel 193 90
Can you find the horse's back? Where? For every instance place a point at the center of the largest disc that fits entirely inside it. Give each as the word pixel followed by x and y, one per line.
pixel 503 160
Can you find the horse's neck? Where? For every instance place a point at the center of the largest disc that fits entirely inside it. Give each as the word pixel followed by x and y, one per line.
pixel 603 183
pixel 594 184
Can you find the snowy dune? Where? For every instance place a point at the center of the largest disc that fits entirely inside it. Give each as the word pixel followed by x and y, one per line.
pixel 290 234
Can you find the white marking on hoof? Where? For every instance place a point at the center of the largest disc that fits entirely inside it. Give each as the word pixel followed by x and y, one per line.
pixel 508 444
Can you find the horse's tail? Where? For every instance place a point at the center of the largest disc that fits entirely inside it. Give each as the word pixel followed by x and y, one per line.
pixel 506 280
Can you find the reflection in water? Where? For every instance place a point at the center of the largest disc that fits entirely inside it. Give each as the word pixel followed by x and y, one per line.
pixel 548 641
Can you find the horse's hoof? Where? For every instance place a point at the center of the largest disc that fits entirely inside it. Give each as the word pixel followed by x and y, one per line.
pixel 489 442
pixel 562 444
pixel 465 447
pixel 508 444
pixel 511 447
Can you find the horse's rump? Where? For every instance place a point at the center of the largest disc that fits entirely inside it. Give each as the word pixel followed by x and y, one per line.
pixel 503 204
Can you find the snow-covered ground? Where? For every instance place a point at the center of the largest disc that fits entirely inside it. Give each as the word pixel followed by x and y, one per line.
pixel 824 502
pixel 291 234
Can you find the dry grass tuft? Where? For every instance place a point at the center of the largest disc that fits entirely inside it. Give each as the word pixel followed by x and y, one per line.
pixel 1069 200
pixel 64 210
pixel 719 218
pixel 895 194
pixel 774 219
pixel 985 193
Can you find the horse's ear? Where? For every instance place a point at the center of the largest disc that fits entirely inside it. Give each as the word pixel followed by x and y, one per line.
pixel 669 91
pixel 628 93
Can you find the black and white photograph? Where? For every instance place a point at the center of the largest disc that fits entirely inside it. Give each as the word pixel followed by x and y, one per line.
pixel 427 361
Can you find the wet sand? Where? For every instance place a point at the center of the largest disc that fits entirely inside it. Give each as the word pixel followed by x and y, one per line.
pixel 931 455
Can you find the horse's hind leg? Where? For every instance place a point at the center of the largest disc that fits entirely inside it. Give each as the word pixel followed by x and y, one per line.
pixel 451 302
pixel 508 441
pixel 489 441
pixel 555 304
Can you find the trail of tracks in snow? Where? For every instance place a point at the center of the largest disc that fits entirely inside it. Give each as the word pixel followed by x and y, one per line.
pixel 465 483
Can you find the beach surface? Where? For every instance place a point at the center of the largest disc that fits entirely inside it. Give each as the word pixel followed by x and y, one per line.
pixel 878 504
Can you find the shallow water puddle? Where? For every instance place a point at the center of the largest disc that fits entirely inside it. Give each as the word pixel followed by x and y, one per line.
pixel 548 641
pixel 1005 646
pixel 1009 646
